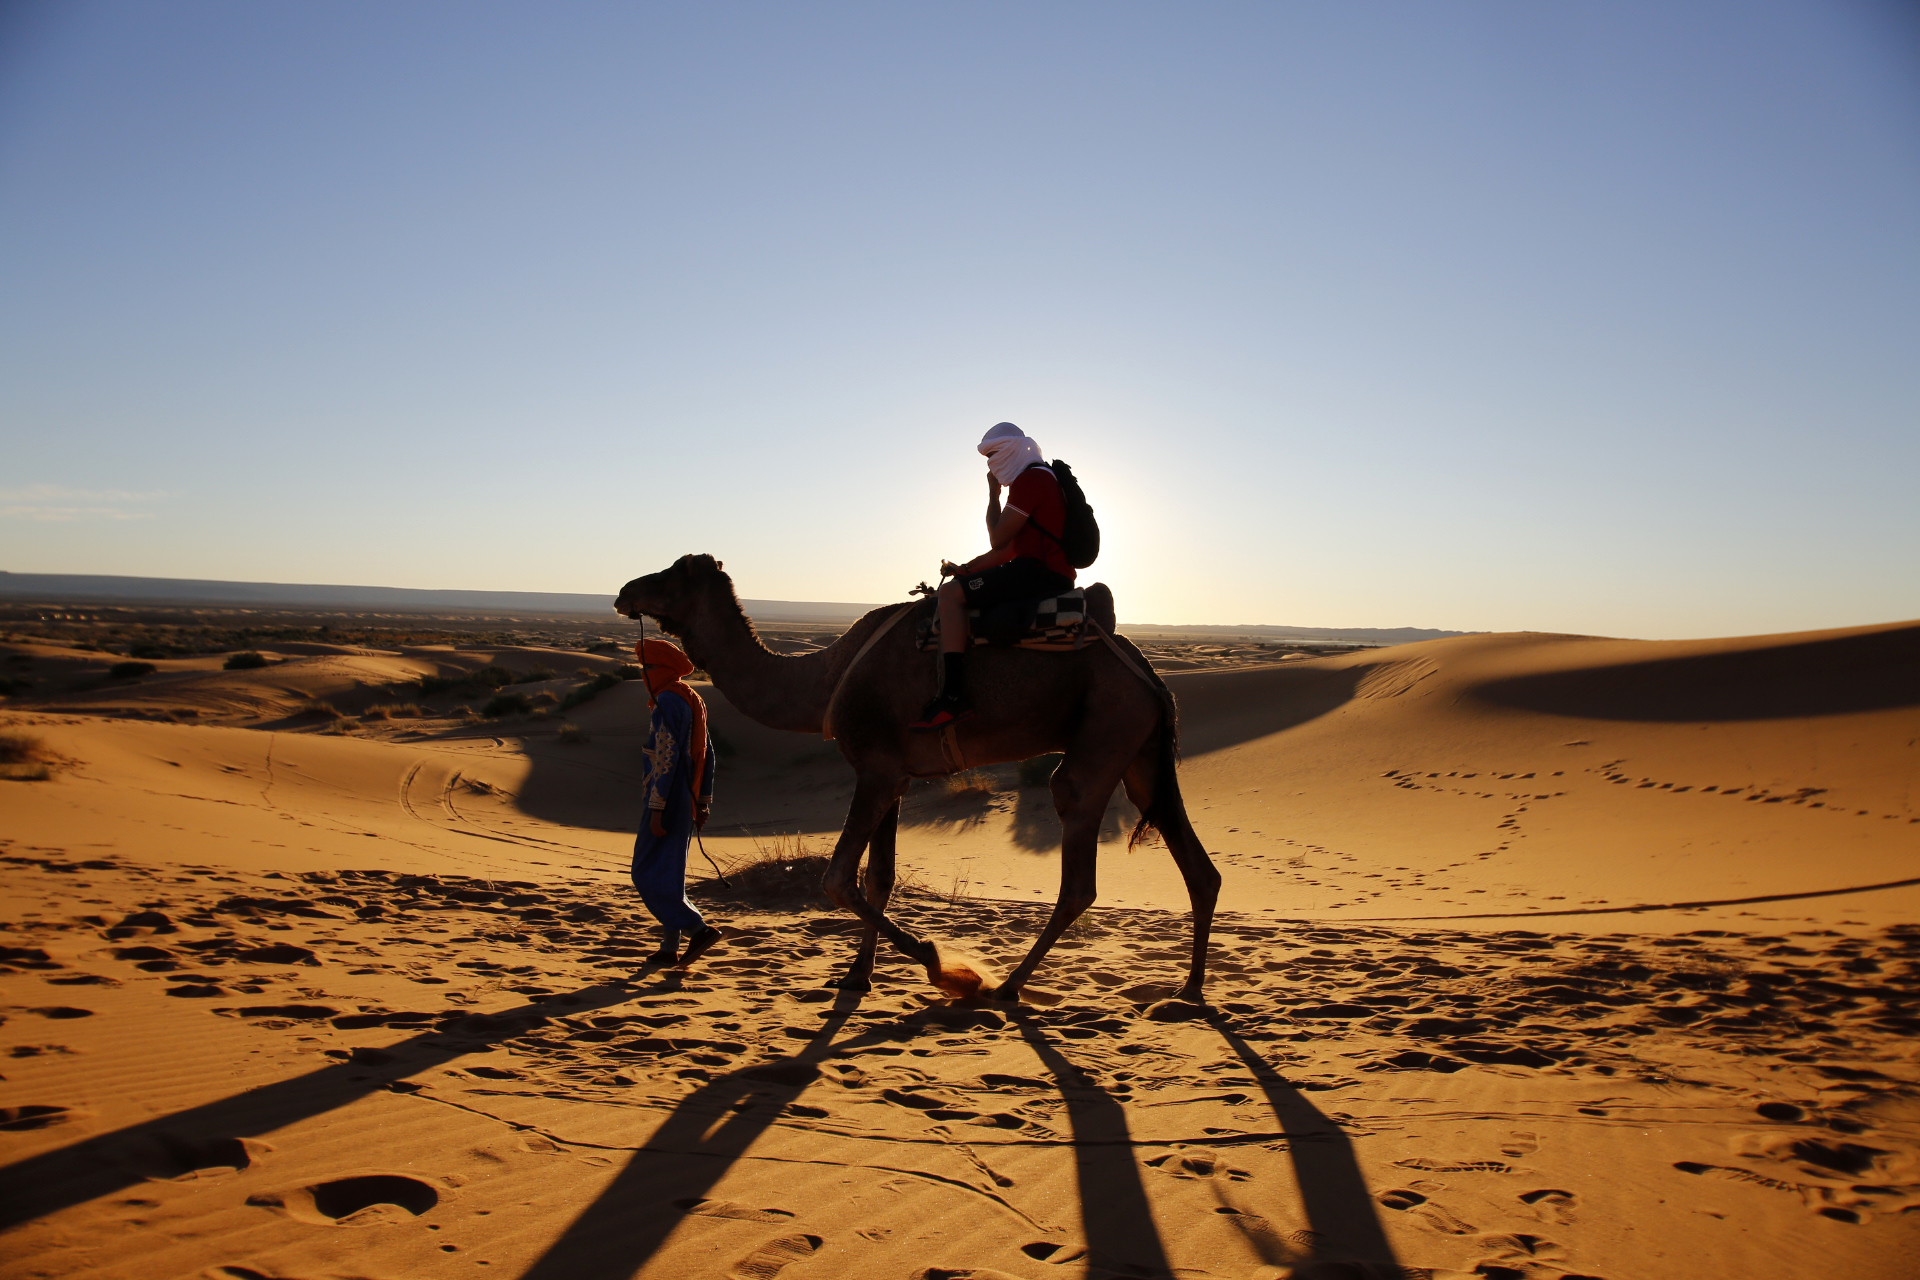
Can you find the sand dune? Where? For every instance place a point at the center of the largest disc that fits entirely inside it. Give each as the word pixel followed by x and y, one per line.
pixel 300 996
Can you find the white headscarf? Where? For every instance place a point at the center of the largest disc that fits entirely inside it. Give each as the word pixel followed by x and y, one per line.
pixel 1009 451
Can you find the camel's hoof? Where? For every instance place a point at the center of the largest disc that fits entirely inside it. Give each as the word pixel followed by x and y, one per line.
pixel 1004 995
pixel 852 982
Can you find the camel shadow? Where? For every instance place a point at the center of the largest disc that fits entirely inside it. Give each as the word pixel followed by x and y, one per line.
pixel 208 1136
pixel 1116 1218
pixel 1342 1222
pixel 683 1159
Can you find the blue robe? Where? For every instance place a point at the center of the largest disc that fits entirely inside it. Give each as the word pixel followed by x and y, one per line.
pixel 660 862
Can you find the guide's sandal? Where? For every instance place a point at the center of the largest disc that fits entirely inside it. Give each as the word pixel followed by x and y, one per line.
pixel 698 945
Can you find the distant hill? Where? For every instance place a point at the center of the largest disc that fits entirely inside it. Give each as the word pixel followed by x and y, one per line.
pixel 88 588
pixel 1337 635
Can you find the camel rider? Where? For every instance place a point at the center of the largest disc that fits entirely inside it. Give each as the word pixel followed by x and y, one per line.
pixel 679 758
pixel 1026 563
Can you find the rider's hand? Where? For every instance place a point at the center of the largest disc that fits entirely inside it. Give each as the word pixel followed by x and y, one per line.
pixel 659 823
pixel 993 482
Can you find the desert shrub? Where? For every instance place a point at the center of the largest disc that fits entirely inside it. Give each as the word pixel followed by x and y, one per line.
pixel 246 660
pixel 629 671
pixel 782 875
pixel 544 698
pixel 393 711
pixel 493 675
pixel 1036 772
pixel 24 757
pixel 147 649
pixel 572 733
pixel 607 646
pixel 534 676
pixel 129 670
pixel 339 728
pixel 506 704
pixel 319 708
pixel 590 690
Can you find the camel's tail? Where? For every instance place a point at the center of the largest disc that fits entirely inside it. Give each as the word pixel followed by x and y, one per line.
pixel 1166 806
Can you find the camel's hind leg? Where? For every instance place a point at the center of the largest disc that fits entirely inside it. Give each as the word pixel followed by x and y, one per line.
pixel 877 880
pixel 1154 787
pixel 1080 795
pixel 874 798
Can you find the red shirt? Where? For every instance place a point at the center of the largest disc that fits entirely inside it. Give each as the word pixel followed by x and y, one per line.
pixel 1036 494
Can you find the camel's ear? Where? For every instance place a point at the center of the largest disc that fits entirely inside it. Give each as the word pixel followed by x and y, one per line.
pixel 720 564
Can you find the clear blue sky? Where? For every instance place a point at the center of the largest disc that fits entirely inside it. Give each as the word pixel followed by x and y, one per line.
pixel 1579 317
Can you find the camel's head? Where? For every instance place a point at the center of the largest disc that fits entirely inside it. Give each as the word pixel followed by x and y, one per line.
pixel 668 596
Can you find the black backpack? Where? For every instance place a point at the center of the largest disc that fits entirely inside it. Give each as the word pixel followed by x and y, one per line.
pixel 1080 540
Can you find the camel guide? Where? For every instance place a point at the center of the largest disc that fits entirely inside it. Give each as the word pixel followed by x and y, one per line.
pixel 679 796
pixel 1028 560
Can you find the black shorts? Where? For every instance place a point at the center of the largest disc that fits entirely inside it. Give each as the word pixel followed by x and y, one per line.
pixel 1016 582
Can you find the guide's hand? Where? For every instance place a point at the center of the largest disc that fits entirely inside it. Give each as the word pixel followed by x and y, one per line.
pixel 658 822
pixel 701 812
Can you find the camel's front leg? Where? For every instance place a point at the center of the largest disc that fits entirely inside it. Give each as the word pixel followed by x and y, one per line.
pixel 1079 853
pixel 873 800
pixel 878 882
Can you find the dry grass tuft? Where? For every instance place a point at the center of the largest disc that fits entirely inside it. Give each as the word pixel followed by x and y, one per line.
pixel 393 711
pixel 25 757
pixel 319 708
pixel 247 660
pixel 781 875
pixel 572 733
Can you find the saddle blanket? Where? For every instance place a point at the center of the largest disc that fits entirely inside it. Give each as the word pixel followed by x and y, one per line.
pixel 1059 622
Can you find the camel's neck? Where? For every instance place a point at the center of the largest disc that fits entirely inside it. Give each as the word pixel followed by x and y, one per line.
pixel 779 692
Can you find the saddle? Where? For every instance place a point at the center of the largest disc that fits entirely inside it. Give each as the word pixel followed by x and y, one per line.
pixel 1057 623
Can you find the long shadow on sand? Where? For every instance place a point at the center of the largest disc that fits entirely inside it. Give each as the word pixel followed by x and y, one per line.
pixel 1333 1193
pixel 683 1159
pixel 206 1136
pixel 1116 1219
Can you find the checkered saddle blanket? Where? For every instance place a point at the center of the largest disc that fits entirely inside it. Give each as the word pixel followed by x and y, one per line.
pixel 1059 623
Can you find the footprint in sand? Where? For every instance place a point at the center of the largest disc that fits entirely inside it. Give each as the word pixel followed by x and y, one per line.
pixel 1437 1216
pixel 170 1157
pixel 369 1200
pixel 1049 1251
pixel 772 1257
pixel 62 1011
pixel 20 1119
pixel 1520 1143
pixel 728 1209
pixel 1551 1204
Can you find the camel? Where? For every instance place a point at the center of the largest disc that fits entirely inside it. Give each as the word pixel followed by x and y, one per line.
pixel 1113 725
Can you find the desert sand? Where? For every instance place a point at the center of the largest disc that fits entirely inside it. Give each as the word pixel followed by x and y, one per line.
pixel 1540 956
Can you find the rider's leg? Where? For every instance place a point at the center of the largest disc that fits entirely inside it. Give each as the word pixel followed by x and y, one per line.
pixel 951 703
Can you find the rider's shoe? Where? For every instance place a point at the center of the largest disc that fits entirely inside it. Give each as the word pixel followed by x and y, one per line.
pixel 948 708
